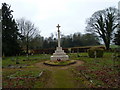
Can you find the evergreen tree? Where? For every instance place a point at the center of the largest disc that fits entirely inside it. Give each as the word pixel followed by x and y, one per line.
pixel 10 33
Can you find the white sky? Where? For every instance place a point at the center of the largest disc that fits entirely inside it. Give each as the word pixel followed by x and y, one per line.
pixel 46 14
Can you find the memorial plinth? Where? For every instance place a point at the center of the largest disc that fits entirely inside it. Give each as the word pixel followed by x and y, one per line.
pixel 59 54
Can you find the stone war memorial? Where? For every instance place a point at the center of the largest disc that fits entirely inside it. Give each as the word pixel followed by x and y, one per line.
pixel 59 53
pixel 59 58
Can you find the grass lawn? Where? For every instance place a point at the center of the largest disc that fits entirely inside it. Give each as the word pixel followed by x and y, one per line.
pixel 99 72
pixel 24 60
pixel 62 79
pixel 28 78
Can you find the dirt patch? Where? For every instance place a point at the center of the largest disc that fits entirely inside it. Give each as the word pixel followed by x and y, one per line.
pixel 43 66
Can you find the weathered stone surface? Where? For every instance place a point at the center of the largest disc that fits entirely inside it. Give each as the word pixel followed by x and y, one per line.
pixel 59 53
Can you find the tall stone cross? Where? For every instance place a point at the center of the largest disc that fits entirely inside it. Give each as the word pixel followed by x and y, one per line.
pixel 58 35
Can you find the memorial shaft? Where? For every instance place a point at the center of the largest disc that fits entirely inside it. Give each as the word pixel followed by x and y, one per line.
pixel 58 36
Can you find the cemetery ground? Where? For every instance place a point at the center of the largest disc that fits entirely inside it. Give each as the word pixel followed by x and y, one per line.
pixel 24 72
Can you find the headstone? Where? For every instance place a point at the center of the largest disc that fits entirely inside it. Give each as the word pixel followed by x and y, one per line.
pixel 59 53
pixel 95 53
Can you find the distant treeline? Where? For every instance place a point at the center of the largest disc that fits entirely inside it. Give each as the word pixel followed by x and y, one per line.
pixel 73 40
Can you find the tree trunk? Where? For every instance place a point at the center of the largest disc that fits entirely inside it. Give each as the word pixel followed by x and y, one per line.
pixel 27 46
pixel 107 45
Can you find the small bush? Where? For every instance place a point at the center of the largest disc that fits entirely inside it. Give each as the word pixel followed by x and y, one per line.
pixel 99 52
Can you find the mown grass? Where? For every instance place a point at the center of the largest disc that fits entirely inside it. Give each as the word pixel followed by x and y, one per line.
pixel 29 70
pixel 24 82
pixel 102 72
pixel 96 72
pixel 63 79
pixel 26 74
pixel 23 60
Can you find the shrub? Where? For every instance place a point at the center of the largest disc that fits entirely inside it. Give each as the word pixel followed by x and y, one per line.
pixel 99 52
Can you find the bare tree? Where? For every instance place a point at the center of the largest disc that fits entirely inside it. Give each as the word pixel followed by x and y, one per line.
pixel 27 30
pixel 104 23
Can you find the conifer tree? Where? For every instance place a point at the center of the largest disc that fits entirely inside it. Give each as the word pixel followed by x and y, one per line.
pixel 10 33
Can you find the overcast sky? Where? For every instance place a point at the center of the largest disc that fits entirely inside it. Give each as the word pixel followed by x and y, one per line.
pixel 46 14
